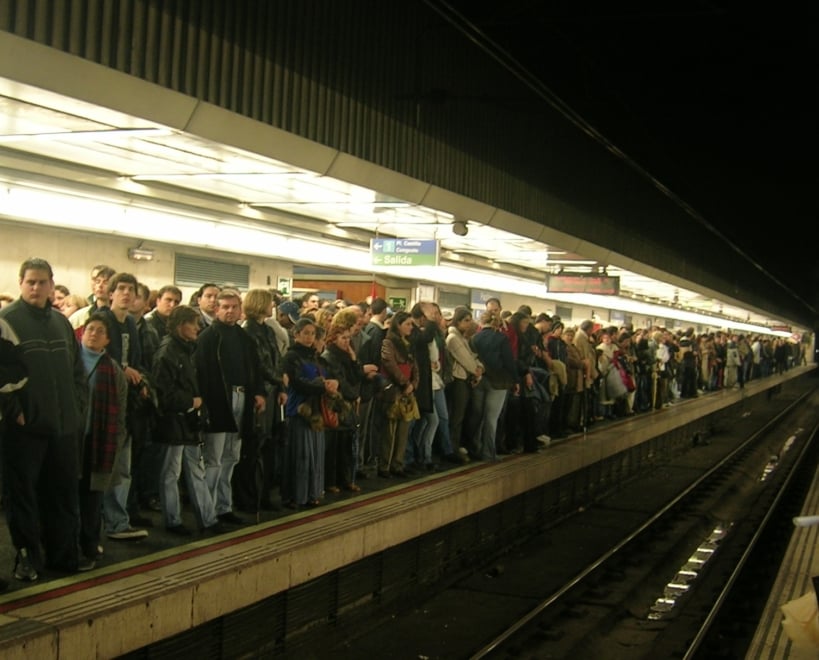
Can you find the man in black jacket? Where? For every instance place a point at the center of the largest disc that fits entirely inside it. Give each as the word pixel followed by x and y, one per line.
pixel 125 349
pixel 422 432
pixel 167 299
pixel 369 352
pixel 232 389
pixel 12 378
pixel 43 429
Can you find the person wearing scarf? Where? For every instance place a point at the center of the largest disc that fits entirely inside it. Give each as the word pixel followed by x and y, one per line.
pixel 104 432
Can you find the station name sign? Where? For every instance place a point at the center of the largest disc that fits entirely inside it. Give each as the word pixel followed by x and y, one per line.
pixel 404 252
pixel 601 285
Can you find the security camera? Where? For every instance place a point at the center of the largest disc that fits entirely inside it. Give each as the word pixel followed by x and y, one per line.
pixel 459 228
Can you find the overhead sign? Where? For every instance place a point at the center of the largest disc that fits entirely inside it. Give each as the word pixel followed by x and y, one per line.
pixel 285 286
pixel 601 285
pixel 404 252
pixel 478 297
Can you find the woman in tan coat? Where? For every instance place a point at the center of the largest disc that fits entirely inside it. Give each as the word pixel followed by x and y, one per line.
pixel 398 367
pixel 575 383
pixel 467 371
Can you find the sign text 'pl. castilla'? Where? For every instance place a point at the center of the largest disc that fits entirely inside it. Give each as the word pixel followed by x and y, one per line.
pixel 404 252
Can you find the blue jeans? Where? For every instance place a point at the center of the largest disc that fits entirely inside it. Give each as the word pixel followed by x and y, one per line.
pixel 419 448
pixel 222 452
pixel 493 403
pixel 115 499
pixel 439 399
pixel 187 458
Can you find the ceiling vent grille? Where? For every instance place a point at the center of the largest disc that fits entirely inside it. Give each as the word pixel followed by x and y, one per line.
pixel 195 271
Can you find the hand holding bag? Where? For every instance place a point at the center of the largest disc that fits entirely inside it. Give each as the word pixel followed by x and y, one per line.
pixel 405 408
pixel 329 414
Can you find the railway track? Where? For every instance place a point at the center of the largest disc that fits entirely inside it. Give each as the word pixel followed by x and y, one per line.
pixel 653 567
pixel 692 578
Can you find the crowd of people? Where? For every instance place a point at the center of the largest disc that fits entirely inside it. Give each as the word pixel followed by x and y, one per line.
pixel 263 402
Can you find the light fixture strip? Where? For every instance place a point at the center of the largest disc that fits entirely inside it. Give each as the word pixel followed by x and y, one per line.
pixel 71 211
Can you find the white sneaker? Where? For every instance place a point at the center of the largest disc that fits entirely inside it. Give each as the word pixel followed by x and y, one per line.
pixel 129 534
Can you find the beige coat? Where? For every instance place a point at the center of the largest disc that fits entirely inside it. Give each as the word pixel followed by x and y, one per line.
pixel 465 362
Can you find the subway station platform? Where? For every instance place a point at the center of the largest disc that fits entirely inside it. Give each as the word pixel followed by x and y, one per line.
pixel 159 594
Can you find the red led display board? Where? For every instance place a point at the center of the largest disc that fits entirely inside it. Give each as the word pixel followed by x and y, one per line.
pixel 601 285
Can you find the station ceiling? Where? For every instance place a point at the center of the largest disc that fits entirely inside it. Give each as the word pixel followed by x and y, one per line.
pixel 52 142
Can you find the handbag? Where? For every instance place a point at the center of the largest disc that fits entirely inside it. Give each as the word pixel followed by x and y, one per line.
pixel 628 381
pixel 615 387
pixel 404 408
pixel 329 415
pixel 195 420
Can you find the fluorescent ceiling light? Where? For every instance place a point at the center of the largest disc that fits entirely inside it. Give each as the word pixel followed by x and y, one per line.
pixel 86 136
pixel 69 211
pixel 339 202
pixel 73 211
pixel 572 262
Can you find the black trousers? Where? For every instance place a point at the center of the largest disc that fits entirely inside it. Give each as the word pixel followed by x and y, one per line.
pixel 458 394
pixel 146 461
pixel 90 518
pixel 338 457
pixel 43 502
pixel 248 477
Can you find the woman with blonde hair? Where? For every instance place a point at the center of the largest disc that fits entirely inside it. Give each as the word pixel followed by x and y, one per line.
pixel 324 317
pixel 71 303
pixel 250 490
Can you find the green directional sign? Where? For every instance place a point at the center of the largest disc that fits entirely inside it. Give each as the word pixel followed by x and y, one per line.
pixel 404 252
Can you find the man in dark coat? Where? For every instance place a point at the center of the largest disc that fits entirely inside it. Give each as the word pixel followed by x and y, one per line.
pixel 45 419
pixel 423 333
pixel 12 378
pixel 232 389
pixel 373 421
